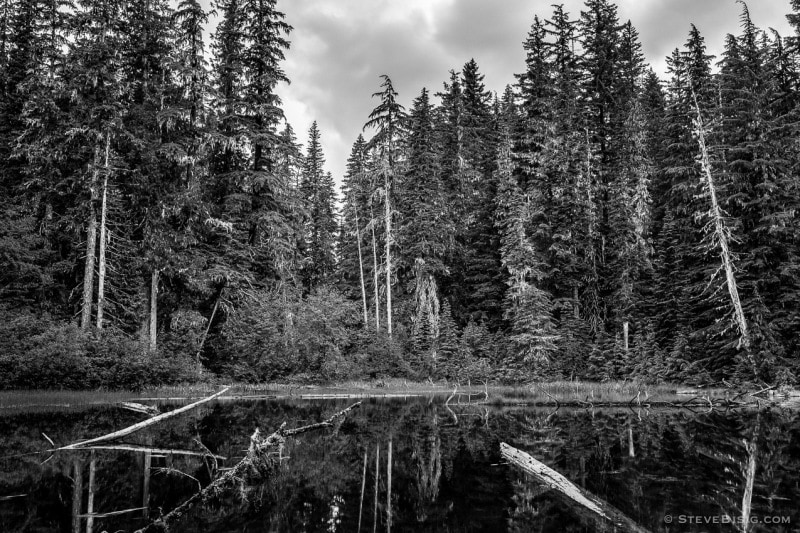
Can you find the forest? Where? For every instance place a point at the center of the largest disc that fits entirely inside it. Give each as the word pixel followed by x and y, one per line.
pixel 160 221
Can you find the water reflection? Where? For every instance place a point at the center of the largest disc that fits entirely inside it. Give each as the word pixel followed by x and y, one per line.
pixel 410 465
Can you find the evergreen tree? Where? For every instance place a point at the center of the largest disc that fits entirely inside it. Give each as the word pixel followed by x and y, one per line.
pixel 760 187
pixel 318 194
pixel 479 275
pixel 387 119
pixel 528 307
pixel 32 44
pixel 683 269
pixel 353 246
pixel 448 342
pixel 423 229
pixel 249 45
pixel 552 172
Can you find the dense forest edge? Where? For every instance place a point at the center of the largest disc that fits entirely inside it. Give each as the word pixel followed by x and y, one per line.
pixel 160 223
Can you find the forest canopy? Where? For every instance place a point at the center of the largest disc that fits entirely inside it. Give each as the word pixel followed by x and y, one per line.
pixel 160 221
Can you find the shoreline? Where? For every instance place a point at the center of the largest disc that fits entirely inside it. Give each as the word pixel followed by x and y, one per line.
pixel 591 395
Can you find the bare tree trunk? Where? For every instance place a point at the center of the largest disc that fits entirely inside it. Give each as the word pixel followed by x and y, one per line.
pixel 375 280
pixel 389 489
pixel 576 305
pixel 631 449
pixel 388 220
pixel 144 313
pixel 721 235
pixel 361 271
pixel 153 329
pixel 363 486
pixel 92 490
pixel 91 245
pixel 77 495
pixel 377 479
pixel 148 458
pixel 101 268
pixel 751 447
pixel 625 335
pixel 208 327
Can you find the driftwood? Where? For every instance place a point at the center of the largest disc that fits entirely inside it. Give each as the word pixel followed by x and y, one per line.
pixel 141 425
pixel 262 457
pixel 571 493
pixel 140 408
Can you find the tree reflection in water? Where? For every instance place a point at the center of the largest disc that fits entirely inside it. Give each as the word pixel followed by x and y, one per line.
pixel 409 463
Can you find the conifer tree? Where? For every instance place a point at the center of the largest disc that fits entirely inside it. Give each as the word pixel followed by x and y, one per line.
pixel 318 194
pixel 289 229
pixel 683 269
pixel 353 246
pixel 447 343
pixel 448 129
pixel 249 46
pixel 387 119
pixel 528 307
pixel 91 72
pixel 33 38
pixel 423 229
pixel 760 188
pixel 479 275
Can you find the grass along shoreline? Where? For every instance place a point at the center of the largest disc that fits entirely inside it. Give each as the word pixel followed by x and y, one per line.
pixel 557 393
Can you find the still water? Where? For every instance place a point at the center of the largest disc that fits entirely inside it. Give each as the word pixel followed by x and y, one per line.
pixel 406 465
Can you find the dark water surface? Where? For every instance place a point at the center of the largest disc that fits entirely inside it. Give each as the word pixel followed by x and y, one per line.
pixel 667 470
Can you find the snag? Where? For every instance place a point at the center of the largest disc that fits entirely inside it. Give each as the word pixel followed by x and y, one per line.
pixel 598 508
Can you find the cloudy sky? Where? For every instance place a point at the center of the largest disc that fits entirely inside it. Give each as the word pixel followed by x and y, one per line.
pixel 341 47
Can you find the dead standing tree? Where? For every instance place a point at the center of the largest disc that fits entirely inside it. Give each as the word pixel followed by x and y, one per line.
pixel 720 236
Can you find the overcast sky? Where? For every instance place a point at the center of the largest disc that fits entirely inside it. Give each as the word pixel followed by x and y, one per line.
pixel 341 47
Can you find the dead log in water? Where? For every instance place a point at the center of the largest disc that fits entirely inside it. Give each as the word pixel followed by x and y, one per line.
pixel 140 426
pixel 259 462
pixel 140 408
pixel 571 493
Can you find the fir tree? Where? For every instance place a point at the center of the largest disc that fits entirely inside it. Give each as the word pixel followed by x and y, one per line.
pixel 479 275
pixel 528 307
pixel 353 246
pixel 387 119
pixel 423 229
pixel 318 194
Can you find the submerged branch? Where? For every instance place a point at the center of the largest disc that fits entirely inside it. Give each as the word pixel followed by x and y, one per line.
pixel 259 462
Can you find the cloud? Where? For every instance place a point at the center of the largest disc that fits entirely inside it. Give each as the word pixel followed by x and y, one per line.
pixel 341 47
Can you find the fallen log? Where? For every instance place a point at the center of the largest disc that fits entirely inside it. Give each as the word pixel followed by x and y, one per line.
pixel 141 425
pixel 259 461
pixel 568 491
pixel 155 451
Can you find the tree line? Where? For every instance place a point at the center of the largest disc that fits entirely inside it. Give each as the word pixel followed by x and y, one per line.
pixel 592 221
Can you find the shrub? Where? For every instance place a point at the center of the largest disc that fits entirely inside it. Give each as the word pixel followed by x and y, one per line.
pixel 275 335
pixel 39 353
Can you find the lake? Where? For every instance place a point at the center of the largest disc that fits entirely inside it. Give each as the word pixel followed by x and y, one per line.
pixel 405 464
